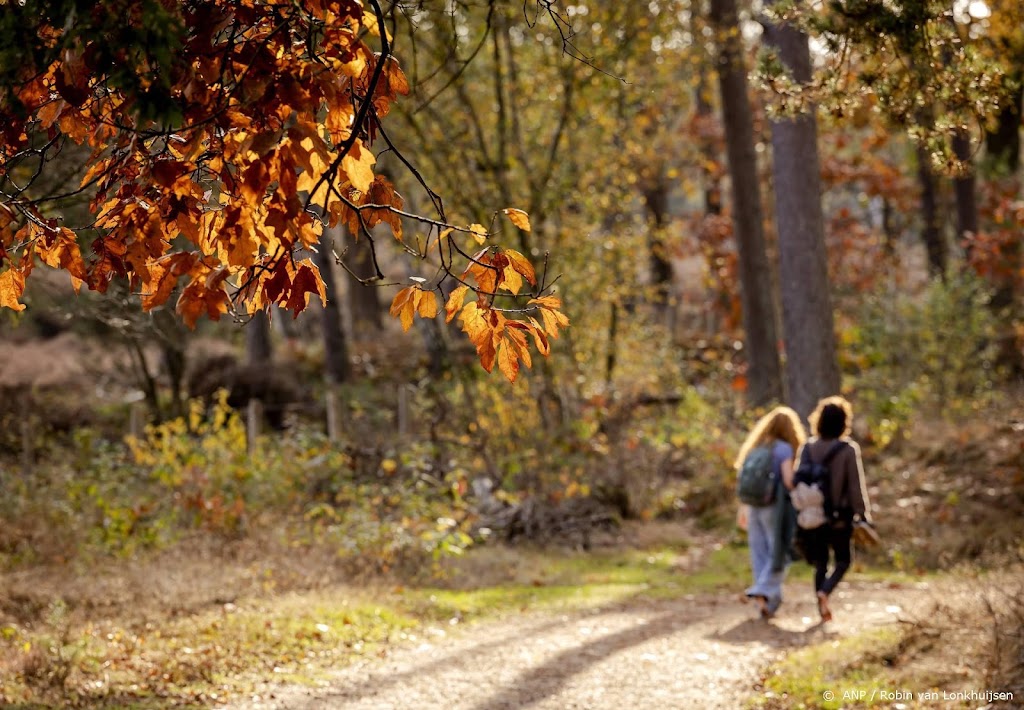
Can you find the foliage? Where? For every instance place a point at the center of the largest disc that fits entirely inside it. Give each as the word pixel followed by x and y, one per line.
pixel 935 349
pixel 199 177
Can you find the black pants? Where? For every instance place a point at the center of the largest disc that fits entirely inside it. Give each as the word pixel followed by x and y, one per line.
pixel 835 540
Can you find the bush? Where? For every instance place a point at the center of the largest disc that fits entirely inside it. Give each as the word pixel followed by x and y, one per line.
pixel 938 348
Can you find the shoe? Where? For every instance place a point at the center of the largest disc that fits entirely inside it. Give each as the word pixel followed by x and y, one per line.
pixel 823 610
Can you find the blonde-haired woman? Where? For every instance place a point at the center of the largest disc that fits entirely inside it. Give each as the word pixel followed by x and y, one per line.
pixel 770 528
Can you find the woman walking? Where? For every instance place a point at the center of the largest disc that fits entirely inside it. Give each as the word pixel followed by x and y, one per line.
pixel 846 497
pixel 770 527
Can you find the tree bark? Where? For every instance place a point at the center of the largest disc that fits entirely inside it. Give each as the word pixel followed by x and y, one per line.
pixel 812 371
pixel 931 232
pixel 258 347
pixel 336 356
pixel 964 189
pixel 764 372
pixel 1002 145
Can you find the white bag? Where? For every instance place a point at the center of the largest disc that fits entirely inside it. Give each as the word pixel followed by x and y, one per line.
pixel 810 505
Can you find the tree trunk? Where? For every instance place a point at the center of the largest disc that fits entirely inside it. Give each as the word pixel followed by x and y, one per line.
pixel 759 318
pixel 931 232
pixel 258 347
pixel 656 201
pixel 1002 145
pixel 964 189
pixel 812 371
pixel 336 358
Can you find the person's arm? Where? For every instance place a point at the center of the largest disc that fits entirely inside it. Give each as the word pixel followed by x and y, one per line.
pixel 858 489
pixel 742 516
pixel 787 474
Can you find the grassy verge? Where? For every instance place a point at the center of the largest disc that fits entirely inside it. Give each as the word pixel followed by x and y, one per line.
pixel 225 650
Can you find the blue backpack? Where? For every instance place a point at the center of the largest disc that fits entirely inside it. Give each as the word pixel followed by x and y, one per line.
pixel 757 480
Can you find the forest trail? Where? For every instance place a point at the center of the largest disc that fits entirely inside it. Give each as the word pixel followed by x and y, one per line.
pixel 706 651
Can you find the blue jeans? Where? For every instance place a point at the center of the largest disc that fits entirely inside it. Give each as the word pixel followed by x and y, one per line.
pixel 761 540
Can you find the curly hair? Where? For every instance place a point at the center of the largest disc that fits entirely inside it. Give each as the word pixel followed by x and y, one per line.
pixel 780 423
pixel 832 418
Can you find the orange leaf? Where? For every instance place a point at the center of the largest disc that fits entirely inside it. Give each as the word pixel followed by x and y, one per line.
pixel 518 218
pixel 12 285
pixel 478 232
pixel 427 307
pixel 521 264
pixel 511 280
pixel 552 317
pixel 306 281
pixel 454 304
pixel 508 360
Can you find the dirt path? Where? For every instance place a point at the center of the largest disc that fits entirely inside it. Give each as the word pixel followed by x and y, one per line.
pixel 700 652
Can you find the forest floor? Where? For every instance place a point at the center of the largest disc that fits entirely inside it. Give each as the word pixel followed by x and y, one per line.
pixel 708 650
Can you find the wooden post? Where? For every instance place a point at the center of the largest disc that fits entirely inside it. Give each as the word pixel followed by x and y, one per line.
pixel 254 419
pixel 135 423
pixel 333 405
pixel 403 410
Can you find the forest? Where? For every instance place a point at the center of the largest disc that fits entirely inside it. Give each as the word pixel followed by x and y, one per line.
pixel 397 353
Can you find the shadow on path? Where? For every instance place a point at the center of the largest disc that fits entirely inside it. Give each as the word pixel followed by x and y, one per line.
pixel 546 680
pixel 759 631
pixel 380 679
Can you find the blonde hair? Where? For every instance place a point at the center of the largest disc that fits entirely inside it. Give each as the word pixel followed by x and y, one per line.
pixel 780 423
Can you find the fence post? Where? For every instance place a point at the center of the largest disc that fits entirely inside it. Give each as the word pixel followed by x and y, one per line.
pixel 135 421
pixel 333 404
pixel 403 410
pixel 254 419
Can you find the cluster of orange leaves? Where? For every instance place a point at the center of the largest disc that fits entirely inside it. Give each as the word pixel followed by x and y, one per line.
pixel 273 101
pixel 495 272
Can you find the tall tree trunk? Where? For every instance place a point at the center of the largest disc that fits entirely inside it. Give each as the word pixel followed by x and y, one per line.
pixel 812 371
pixel 759 318
pixel 931 231
pixel 336 357
pixel 964 189
pixel 656 201
pixel 1003 143
pixel 258 347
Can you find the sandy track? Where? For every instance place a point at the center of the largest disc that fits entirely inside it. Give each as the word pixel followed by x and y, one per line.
pixel 699 652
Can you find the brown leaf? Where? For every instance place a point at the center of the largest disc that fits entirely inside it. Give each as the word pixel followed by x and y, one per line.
pixel 12 286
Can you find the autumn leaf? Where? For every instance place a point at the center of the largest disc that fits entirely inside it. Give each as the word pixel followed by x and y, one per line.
pixel 427 306
pixel 521 265
pixel 552 317
pixel 411 301
pixel 12 286
pixel 307 280
pixel 478 232
pixel 454 304
pixel 518 218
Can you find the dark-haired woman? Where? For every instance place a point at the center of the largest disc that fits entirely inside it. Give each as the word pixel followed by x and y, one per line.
pixel 848 501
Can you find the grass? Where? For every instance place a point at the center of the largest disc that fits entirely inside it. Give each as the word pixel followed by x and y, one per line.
pixel 228 650
pixel 225 651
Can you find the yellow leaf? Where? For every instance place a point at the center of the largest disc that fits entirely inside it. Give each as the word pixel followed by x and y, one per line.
pixel 399 301
pixel 513 281
pixel 521 264
pixel 454 304
pixel 428 305
pixel 478 232
pixel 12 285
pixel 508 362
pixel 518 218
pixel 358 166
